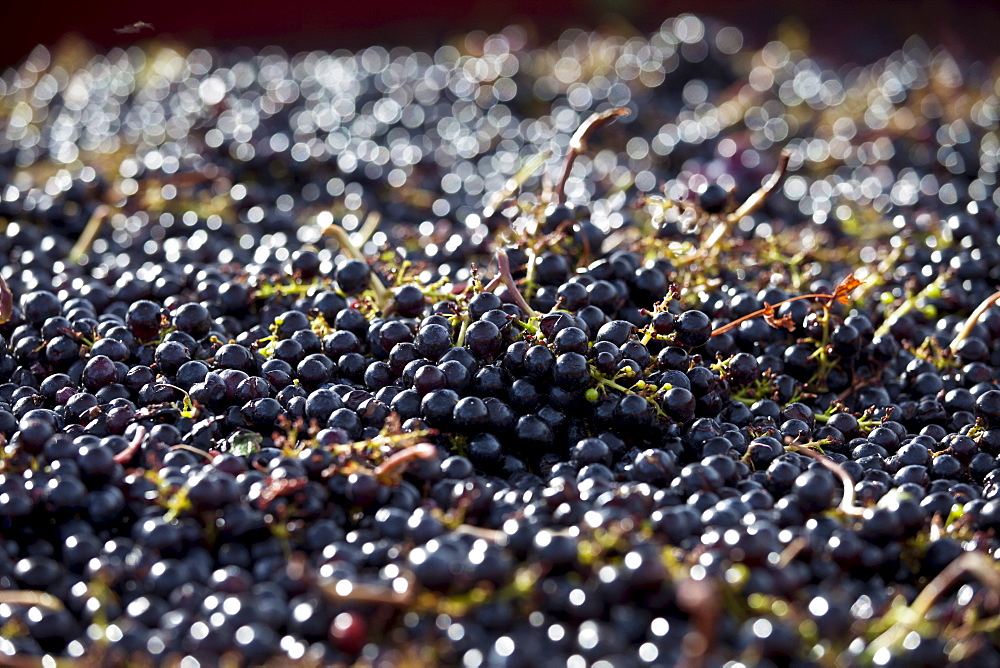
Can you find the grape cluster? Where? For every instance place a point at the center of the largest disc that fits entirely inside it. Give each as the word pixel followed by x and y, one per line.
pixel 613 352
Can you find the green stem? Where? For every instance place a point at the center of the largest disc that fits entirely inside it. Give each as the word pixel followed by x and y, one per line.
pixel 344 239
pixel 461 333
pixel 529 274
pixel 814 445
pixel 908 305
pixel 607 383
pixel 601 380
pixel 977 564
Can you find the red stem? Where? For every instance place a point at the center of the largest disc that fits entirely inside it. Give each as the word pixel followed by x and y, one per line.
pixel 125 456
pixel 398 461
pixel 756 314
pixel 503 271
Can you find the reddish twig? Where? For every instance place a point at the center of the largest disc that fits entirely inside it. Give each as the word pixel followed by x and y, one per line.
pixel 503 272
pixel 840 294
pixel 392 468
pixel 125 456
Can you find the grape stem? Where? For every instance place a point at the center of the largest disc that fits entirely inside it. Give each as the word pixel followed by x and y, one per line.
pixel 494 283
pixel 462 332
pixel 94 226
pixel 503 272
pixel 394 466
pixel 973 320
pixel 31 597
pixel 758 313
pixel 125 456
pixel 847 502
pixel 792 551
pixel 192 449
pixel 908 305
pixel 756 200
pixel 494 536
pixel 578 144
pixel 752 203
pixel 977 564
pixel 353 252
pixel 840 294
pixel 356 592
pixel 700 599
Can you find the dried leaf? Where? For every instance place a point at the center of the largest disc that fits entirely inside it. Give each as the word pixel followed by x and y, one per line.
pixel 771 319
pixel 843 290
pixel 6 302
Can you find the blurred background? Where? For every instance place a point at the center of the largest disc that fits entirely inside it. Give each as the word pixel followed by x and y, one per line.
pixel 844 31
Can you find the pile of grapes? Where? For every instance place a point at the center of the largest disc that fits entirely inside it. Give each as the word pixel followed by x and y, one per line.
pixel 617 351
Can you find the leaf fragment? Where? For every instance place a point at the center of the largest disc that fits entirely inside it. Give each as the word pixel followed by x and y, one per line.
pixel 245 442
pixel 770 317
pixel 843 290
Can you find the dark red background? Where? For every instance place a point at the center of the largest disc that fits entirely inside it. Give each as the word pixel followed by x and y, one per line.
pixel 846 31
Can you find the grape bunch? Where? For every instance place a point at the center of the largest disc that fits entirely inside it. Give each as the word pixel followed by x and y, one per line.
pixel 618 351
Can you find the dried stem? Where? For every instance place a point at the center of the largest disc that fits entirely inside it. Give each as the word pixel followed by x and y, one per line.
pixel 840 294
pixel 494 536
pixel 344 239
pixel 973 320
pixel 758 313
pixel 31 597
pixel 792 550
pixel 392 468
pixel 493 284
pixel 977 564
pixel 847 503
pixel 701 600
pixel 371 224
pixel 513 183
pixel 754 202
pixel 94 226
pixel 191 448
pixel 355 592
pixel 578 144
pixel 125 456
pixel 503 269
